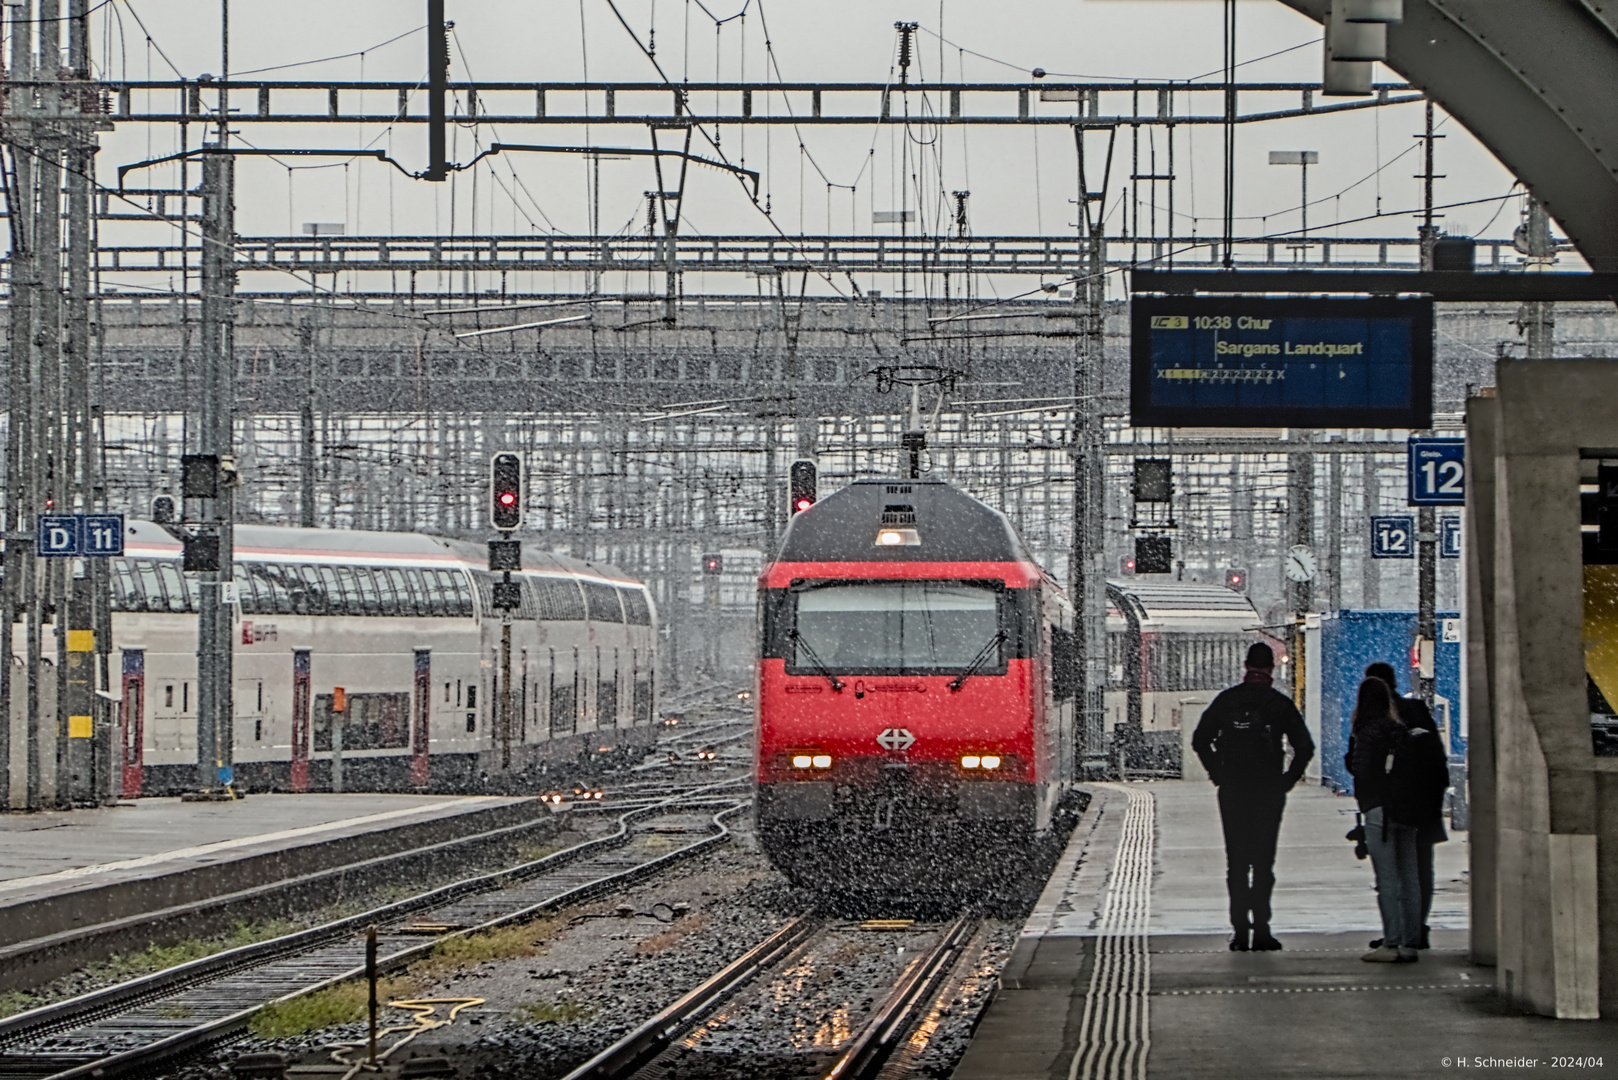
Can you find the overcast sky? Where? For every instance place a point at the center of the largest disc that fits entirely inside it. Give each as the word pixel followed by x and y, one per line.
pixel 1022 180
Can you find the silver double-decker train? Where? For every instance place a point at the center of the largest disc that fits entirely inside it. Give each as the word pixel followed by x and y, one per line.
pixel 391 642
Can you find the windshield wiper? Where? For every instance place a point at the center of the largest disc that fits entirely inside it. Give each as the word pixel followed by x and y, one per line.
pixel 814 661
pixel 978 661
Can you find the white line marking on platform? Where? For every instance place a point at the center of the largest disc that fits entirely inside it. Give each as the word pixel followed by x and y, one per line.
pixel 1115 1032
pixel 239 842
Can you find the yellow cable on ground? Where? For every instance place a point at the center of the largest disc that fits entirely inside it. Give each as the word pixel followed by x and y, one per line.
pixel 424 1021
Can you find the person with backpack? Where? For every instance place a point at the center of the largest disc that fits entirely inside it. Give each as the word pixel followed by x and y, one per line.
pixel 1381 761
pixel 1425 786
pixel 1239 741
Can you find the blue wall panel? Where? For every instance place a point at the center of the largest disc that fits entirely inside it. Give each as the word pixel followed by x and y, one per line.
pixel 1350 640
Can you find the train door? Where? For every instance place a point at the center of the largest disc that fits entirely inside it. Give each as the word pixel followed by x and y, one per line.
pixel 132 714
pixel 174 714
pixel 522 699
pixel 564 692
pixel 450 696
pixel 642 692
pixel 606 691
pixel 300 720
pixel 248 706
pixel 421 736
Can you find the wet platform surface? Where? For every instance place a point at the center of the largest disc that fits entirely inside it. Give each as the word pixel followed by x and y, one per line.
pixel 1123 969
pixel 50 853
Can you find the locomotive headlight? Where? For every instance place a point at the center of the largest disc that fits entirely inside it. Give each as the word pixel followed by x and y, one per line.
pixel 822 761
pixel 972 761
pixel 802 761
pixel 991 761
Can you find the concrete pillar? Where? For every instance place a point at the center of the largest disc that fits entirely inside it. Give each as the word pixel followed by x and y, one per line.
pixel 1555 803
pixel 1482 437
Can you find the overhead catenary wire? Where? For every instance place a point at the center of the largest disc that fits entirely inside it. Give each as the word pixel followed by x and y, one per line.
pixel 712 141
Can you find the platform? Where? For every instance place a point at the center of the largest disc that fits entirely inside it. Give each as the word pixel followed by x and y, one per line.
pixel 1123 968
pixel 109 871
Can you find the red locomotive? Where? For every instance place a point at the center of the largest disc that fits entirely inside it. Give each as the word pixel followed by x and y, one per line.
pixel 916 684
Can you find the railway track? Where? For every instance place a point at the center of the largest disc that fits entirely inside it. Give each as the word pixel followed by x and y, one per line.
pixel 136 1024
pixel 664 1045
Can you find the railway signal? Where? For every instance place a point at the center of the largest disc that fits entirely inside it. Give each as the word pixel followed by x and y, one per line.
pixel 1154 480
pixel 1236 580
pixel 505 491
pixel 200 553
pixel 713 564
pixel 1154 555
pixel 802 485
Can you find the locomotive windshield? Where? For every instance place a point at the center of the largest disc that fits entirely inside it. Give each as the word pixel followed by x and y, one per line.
pixel 904 627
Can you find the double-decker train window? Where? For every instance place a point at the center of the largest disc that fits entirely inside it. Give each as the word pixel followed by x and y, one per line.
pixel 457 595
pixel 901 627
pixel 637 609
pixel 557 599
pixel 314 590
pixel 387 595
pixel 299 589
pixel 269 578
pixel 432 592
pixel 336 595
pixel 125 590
pixel 174 584
pixel 370 600
pixel 396 599
pixel 349 589
pixel 602 601
pixel 463 593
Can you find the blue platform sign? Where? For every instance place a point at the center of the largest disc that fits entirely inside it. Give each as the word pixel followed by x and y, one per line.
pixel 1437 472
pixel 1232 361
pixel 57 535
pixel 1450 538
pixel 103 534
pixel 1393 537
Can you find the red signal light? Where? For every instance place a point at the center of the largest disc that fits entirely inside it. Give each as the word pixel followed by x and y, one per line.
pixel 505 490
pixel 803 484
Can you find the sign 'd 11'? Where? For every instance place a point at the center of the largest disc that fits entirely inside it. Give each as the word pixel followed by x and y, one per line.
pixel 68 535
pixel 1437 472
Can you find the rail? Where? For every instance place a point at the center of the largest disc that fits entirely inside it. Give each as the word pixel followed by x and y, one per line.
pixel 338 937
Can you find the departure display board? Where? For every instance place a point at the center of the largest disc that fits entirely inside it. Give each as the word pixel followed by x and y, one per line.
pixel 1230 361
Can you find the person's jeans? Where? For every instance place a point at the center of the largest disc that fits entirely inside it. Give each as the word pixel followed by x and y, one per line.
pixel 1398 883
pixel 1252 823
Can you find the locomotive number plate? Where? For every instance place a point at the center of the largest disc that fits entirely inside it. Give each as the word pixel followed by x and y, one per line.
pixel 895 738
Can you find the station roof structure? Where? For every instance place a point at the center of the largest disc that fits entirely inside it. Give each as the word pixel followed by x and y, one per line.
pixel 1525 78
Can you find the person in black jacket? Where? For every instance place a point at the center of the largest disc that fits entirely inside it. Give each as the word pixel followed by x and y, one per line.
pixel 1239 742
pixel 1380 740
pixel 1431 780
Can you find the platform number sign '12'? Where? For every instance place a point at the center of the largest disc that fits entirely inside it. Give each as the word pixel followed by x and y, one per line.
pixel 1393 537
pixel 1437 472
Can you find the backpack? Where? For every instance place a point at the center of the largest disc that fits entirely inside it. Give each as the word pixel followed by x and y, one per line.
pixel 1417 779
pixel 1248 746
